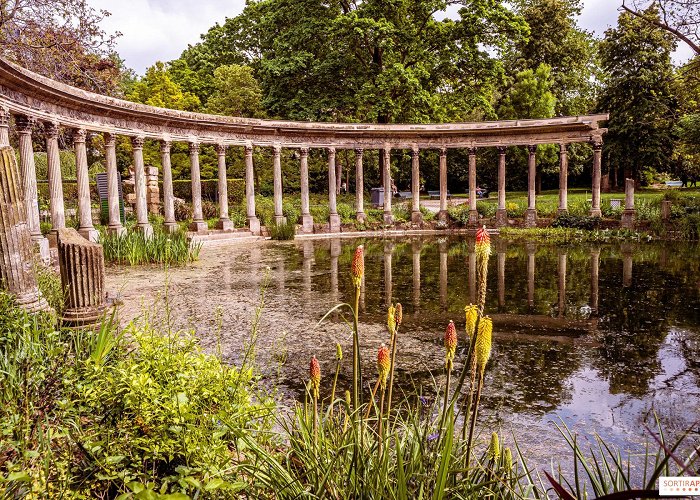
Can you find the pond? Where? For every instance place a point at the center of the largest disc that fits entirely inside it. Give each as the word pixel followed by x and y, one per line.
pixel 599 337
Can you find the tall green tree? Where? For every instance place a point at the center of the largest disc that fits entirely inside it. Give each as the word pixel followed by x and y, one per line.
pixel 157 88
pixel 236 92
pixel 638 94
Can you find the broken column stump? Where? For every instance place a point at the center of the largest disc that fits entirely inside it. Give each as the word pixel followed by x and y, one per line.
pixel 82 267
pixel 16 254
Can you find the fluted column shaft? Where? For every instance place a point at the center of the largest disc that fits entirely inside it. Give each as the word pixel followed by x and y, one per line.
pixel 443 182
pixel 501 214
pixel 168 196
pixel 140 187
pixel 595 266
pixel 531 212
pixel 595 191
pixel 56 203
pixel 561 271
pixel 277 183
pixel 28 167
pixel 388 191
pixel 224 223
pixel 359 186
pixel 416 216
pixel 628 214
pixel 473 214
pixel 115 223
pixel 530 248
pixel 4 127
pixel 198 224
pixel 307 221
pixel 563 179
pixel 253 222
pixel 333 218
pixel 86 229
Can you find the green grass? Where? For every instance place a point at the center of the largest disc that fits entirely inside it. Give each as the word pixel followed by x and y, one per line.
pixel 133 248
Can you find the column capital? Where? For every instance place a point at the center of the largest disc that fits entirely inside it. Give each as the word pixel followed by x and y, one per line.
pixel 276 150
pixel 532 148
pixel 304 151
pixel 501 150
pixel 443 151
pixel 597 144
pixel 79 135
pixel 194 147
pixel 51 129
pixel 415 151
pixel 563 148
pixel 221 149
pixel 165 146
pixel 137 141
pixel 359 152
pixel 110 139
pixel 472 150
pixel 331 151
pixel 4 116
pixel 24 124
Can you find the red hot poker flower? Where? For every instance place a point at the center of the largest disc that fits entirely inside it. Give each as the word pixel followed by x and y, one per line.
pixel 358 266
pixel 450 343
pixel 315 376
pixel 383 364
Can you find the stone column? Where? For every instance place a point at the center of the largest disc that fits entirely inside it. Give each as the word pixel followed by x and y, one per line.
pixel 628 214
pixel 561 271
pixel 115 223
pixel 28 167
pixel 501 261
pixel 442 213
pixel 198 224
pixel 277 183
pixel 142 223
pixel 472 275
pixel 16 260
pixel 308 261
pixel 595 191
pixel 627 251
pixel 4 126
pixel 335 253
pixel 595 266
pixel 388 273
pixel 501 214
pixel 531 212
pixel 388 192
pixel 253 222
pixel 442 246
pixel 530 249
pixel 563 180
pixel 168 197
pixel 82 267
pixel 665 210
pixel 333 218
pixel 359 186
pixel 224 223
pixel 86 229
pixel 473 214
pixel 416 215
pixel 307 221
pixel 58 216
pixel 415 249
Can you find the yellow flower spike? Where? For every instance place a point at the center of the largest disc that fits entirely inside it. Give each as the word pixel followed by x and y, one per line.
pixel 383 364
pixel 494 451
pixel 391 320
pixel 482 348
pixel 450 344
pixel 315 376
pixel 398 315
pixel 357 270
pixel 483 243
pixel 347 398
pixel 472 313
pixel 508 459
pixel 338 352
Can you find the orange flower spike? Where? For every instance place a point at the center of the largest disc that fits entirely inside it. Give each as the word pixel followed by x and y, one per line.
pixel 450 343
pixel 398 315
pixel 315 376
pixel 483 243
pixel 358 266
pixel 391 320
pixel 383 364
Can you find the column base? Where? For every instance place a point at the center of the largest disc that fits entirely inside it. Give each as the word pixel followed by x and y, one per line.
pixel 416 217
pixel 562 211
pixel 443 216
pixel 501 217
pixel 280 219
pixel 531 217
pixel 171 227
pixel 42 246
pixel 146 229
pixel 224 224
pixel 89 233
pixel 32 301
pixel 388 218
pixel 473 218
pixel 627 220
pixel 52 238
pixel 117 230
pixel 361 217
pixel 80 317
pixel 595 212
pixel 198 226
pixel 307 223
pixel 254 225
pixel 334 223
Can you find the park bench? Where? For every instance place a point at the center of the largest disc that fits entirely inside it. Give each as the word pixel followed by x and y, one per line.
pixel 674 184
pixel 436 195
pixel 405 195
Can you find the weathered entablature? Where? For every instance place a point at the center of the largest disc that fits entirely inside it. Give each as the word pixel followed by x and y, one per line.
pixel 31 97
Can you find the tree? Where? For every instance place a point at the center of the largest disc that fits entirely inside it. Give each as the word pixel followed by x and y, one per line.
pixel 236 92
pixel 157 88
pixel 62 40
pixel 530 96
pixel 687 152
pixel 680 18
pixel 638 94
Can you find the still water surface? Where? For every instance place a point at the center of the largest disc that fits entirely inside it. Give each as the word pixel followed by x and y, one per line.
pixel 597 337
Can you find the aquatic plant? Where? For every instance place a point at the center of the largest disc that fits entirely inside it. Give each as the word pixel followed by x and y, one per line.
pixel 283 230
pixel 134 248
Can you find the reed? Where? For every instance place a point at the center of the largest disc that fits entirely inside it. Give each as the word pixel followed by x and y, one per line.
pixel 134 248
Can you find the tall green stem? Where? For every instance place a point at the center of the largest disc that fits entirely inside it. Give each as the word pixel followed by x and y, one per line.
pixel 475 411
pixel 356 375
pixel 381 423
pixel 391 373
pixel 335 381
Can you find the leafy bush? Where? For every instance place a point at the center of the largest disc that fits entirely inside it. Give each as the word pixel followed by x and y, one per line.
pixel 183 211
pixel 346 212
pixel 238 216
pixel 486 209
pixel 401 212
pixel 459 213
pixel 283 231
pixel 576 221
pixel 210 210
pixel 427 214
pixel 514 209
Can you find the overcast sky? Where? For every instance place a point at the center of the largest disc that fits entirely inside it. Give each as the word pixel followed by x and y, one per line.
pixel 159 30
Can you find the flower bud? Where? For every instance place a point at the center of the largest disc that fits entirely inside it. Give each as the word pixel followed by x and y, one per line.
pixel 383 364
pixel 315 376
pixel 483 243
pixel 391 320
pixel 338 352
pixel 471 313
pixel 494 451
pixel 358 266
pixel 398 314
pixel 482 348
pixel 450 343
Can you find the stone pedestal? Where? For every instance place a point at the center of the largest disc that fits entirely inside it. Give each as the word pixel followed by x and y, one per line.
pixel 82 278
pixel 254 225
pixel 416 217
pixel 198 226
pixel 443 216
pixel 666 210
pixel 280 219
pixel 224 224
pixel 16 262
pixel 530 218
pixel 171 227
pixel 501 217
pixel 307 224
pixel 473 218
pixel 334 223
pixel 627 220
pixel 152 190
pixel 628 214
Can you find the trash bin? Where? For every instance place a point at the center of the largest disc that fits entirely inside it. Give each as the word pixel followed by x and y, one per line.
pixel 378 197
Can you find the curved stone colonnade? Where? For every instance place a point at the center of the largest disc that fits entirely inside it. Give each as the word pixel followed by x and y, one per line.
pixel 31 97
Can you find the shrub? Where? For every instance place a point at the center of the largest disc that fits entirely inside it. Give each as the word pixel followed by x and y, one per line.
pixel 283 231
pixel 486 209
pixel 238 216
pixel 210 210
pixel 576 221
pixel 183 211
pixel 346 212
pixel 401 212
